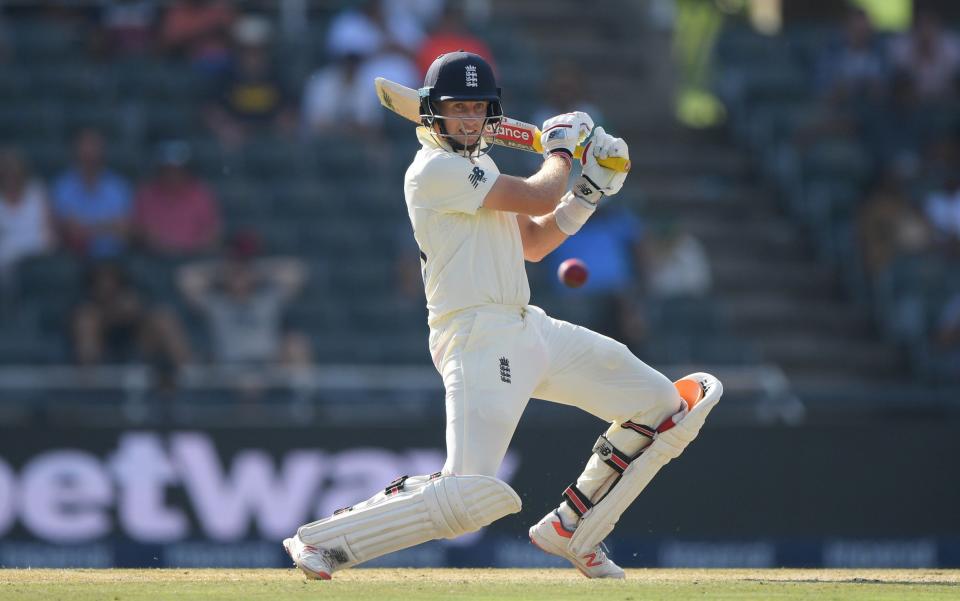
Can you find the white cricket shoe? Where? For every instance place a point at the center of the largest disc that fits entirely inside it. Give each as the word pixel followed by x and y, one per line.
pixel 311 560
pixel 550 536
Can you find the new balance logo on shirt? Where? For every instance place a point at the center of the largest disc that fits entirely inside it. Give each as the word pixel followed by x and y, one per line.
pixel 476 176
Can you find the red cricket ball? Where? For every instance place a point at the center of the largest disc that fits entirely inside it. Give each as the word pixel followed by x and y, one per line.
pixel 573 273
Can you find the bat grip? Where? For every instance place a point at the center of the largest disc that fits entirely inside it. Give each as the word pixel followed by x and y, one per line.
pixel 616 163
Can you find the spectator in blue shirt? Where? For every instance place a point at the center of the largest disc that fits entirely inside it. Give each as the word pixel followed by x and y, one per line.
pixel 91 203
pixel 610 245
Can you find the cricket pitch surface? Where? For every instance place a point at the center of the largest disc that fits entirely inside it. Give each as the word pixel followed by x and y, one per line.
pixel 488 584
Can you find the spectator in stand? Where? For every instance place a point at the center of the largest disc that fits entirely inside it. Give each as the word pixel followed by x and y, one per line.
pixel 610 245
pixel 565 92
pixel 243 299
pixel 115 324
pixel 851 78
pixel 930 56
pixel 947 338
pixel 337 100
pixel 363 45
pixel 943 210
pixel 888 225
pixel 251 98
pixel 425 13
pixel 677 263
pixel 91 203
pixel 25 226
pixel 451 34
pixel 129 26
pixel 175 213
pixel 387 45
pixel 367 30
pixel 854 69
pixel 199 31
pixel 895 133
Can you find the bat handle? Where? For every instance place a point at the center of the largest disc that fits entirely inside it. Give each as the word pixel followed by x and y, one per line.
pixel 616 163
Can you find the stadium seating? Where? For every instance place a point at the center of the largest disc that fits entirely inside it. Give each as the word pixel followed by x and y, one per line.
pixel 767 81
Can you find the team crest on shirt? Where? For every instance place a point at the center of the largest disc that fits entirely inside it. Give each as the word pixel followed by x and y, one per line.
pixel 504 370
pixel 477 176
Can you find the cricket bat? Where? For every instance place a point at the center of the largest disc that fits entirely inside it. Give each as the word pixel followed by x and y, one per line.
pixel 510 132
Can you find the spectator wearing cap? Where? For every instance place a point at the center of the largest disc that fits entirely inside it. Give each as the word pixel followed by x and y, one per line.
pixel 92 203
pixel 175 212
pixel 251 98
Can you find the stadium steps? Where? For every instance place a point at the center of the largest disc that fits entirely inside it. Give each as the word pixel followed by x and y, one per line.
pixel 773 293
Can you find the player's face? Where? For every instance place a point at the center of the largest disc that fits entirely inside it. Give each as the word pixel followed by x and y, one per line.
pixel 464 119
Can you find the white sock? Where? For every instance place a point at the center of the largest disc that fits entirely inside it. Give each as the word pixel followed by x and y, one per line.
pixel 568 517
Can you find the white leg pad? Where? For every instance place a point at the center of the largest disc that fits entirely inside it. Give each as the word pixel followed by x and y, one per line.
pixel 424 509
pixel 603 516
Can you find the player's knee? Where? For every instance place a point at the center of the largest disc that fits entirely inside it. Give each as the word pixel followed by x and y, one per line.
pixel 668 400
pixel 659 401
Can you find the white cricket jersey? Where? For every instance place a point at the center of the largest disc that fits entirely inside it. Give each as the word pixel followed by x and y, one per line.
pixel 470 256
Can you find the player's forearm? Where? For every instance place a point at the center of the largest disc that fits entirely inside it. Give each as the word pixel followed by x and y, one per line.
pixel 550 183
pixel 541 236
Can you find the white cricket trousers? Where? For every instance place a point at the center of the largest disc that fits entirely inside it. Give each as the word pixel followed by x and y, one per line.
pixel 494 358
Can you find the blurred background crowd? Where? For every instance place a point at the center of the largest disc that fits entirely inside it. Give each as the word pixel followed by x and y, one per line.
pixel 197 183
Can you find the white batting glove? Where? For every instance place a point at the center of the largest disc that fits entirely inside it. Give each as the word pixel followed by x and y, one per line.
pixel 601 146
pixel 595 182
pixel 563 132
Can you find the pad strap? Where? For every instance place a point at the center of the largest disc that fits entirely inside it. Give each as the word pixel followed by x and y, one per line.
pixel 578 502
pixel 611 455
pixel 639 429
pixel 396 486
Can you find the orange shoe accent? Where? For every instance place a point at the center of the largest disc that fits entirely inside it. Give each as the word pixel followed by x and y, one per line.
pixel 690 391
pixel 561 530
pixel 592 560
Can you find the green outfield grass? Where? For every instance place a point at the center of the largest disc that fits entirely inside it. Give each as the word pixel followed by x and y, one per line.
pixel 501 585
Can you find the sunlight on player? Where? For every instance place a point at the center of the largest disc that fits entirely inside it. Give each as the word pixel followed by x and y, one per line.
pixel 494 351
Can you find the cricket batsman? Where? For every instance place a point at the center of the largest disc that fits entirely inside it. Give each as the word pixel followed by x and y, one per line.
pixel 475 228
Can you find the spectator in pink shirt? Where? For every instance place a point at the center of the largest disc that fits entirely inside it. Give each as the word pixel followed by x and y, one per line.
pixel 175 213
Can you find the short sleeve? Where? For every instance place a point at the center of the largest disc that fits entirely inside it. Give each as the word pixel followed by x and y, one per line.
pixel 452 184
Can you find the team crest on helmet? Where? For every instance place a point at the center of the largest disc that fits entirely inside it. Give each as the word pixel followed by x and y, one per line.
pixel 471 73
